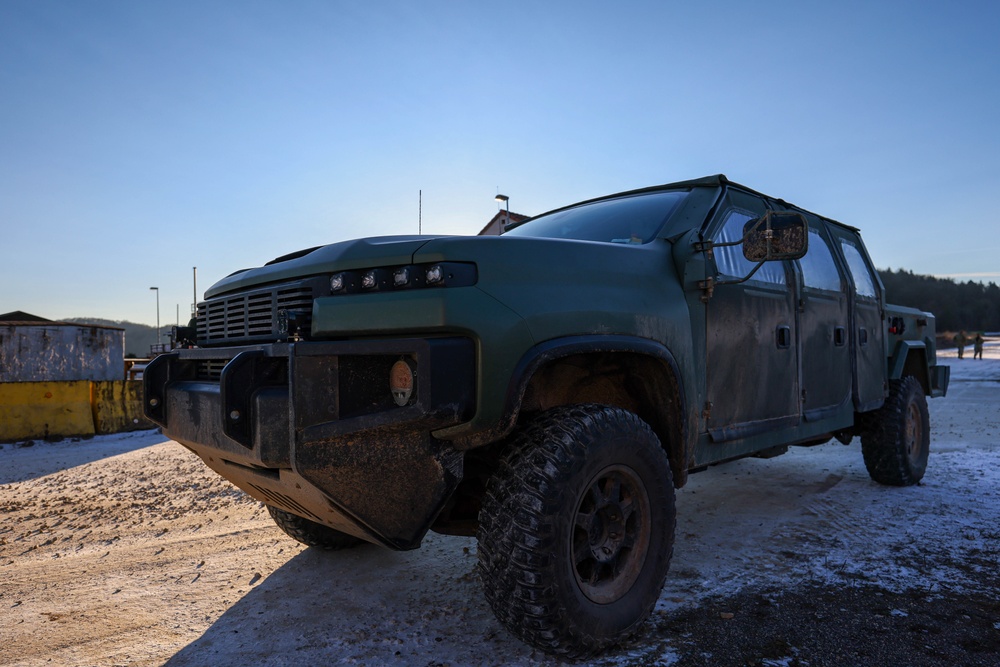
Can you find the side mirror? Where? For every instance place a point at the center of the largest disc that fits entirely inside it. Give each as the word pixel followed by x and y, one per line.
pixel 777 235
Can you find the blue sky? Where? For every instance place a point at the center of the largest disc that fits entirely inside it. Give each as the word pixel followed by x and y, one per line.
pixel 141 139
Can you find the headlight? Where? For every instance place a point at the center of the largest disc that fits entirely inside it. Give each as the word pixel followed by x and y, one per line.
pixel 345 282
pixel 435 275
pixel 401 277
pixel 439 274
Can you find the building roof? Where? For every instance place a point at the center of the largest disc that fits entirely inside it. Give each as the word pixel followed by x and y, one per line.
pixel 19 318
pixel 493 227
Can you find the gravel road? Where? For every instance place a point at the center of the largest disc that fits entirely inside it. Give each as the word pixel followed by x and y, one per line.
pixel 127 550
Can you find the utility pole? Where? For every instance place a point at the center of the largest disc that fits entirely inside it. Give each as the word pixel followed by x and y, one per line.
pixel 157 290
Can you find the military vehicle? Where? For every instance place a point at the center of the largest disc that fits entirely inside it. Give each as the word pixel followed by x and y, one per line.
pixel 547 390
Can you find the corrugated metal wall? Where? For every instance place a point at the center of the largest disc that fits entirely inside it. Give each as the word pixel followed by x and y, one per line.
pixel 60 353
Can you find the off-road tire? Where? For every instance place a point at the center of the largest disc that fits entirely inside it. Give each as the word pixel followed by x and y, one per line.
pixel 576 530
pixel 311 533
pixel 896 440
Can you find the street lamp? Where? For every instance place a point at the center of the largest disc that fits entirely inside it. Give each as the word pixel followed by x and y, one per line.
pixel 504 199
pixel 157 290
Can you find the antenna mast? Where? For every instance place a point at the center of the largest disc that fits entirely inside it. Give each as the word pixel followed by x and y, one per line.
pixel 420 213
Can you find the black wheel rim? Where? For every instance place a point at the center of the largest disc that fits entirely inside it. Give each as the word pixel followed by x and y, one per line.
pixel 611 530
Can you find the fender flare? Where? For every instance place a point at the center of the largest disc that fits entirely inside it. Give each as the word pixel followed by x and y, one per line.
pixel 558 348
pixel 911 357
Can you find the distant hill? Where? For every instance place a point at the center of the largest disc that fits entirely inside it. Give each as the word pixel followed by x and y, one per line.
pixel 138 337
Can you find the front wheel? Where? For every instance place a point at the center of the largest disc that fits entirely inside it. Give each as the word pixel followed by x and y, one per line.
pixel 577 529
pixel 897 442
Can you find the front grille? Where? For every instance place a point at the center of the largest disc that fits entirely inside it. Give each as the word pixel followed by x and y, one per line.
pixel 253 315
pixel 210 369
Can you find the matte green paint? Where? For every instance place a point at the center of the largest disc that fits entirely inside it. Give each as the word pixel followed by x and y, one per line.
pixel 500 334
pixel 533 290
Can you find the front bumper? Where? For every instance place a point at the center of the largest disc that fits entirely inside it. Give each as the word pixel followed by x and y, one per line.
pixel 311 427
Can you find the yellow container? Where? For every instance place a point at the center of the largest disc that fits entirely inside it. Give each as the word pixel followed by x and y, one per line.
pixel 45 410
pixel 117 406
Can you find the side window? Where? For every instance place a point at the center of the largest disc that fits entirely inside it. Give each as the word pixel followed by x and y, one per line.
pixel 819 270
pixel 863 282
pixel 731 261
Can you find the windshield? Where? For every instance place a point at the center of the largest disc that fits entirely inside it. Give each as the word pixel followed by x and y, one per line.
pixel 633 219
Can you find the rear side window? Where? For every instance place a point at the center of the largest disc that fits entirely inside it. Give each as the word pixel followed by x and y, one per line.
pixel 819 270
pixel 863 282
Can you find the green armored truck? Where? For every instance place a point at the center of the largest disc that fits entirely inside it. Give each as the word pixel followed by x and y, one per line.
pixel 547 390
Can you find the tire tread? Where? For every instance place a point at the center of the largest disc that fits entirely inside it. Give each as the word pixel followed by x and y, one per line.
pixel 516 542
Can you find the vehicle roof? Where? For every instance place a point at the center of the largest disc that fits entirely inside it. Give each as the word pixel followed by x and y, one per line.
pixel 714 181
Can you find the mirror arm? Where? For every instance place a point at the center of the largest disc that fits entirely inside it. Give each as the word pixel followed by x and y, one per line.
pixel 708 246
pixel 708 285
pixel 741 280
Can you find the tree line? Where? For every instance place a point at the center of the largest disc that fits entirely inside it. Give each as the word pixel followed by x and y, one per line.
pixel 968 306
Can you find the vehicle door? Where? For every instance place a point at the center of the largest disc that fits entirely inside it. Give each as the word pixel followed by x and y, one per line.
pixel 824 328
pixel 752 361
pixel 867 338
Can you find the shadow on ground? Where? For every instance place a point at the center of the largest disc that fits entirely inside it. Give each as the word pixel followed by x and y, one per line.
pixel 366 605
pixel 38 458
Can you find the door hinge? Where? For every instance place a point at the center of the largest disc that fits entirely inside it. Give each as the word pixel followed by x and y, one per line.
pixel 705 247
pixel 707 286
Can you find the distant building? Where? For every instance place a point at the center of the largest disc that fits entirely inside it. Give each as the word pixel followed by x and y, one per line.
pixel 499 224
pixel 34 349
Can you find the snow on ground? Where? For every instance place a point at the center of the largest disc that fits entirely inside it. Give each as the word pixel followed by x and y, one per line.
pixel 815 514
pixel 126 550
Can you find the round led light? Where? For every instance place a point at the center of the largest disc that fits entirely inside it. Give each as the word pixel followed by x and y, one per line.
pixel 402 381
pixel 337 282
pixel 435 275
pixel 401 277
pixel 369 280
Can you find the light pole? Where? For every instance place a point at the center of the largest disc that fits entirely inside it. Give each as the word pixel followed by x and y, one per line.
pixel 504 199
pixel 157 290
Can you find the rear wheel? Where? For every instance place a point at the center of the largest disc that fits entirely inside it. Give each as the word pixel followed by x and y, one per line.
pixel 896 443
pixel 311 533
pixel 577 529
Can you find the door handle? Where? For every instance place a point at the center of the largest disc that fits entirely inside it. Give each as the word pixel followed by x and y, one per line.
pixel 783 336
pixel 839 336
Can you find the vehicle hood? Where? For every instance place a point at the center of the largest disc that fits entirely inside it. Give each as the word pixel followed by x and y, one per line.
pixel 343 256
pixel 509 268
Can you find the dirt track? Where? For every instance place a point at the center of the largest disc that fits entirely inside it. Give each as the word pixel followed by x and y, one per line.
pixel 128 551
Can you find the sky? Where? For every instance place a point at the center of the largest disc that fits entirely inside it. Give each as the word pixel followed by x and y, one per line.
pixel 141 139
